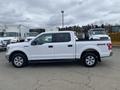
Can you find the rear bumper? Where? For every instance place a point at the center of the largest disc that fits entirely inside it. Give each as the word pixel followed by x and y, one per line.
pixel 104 55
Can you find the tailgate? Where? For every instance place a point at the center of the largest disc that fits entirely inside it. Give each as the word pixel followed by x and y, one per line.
pixel 105 47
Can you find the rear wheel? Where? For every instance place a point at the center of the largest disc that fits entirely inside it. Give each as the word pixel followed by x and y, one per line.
pixel 19 60
pixel 89 59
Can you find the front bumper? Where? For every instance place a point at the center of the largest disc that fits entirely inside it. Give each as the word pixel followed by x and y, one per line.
pixel 2 46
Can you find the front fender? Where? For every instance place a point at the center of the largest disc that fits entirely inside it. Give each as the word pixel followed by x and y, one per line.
pixel 11 50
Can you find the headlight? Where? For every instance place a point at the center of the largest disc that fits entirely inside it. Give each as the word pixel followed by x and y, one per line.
pixel 2 42
pixel 8 47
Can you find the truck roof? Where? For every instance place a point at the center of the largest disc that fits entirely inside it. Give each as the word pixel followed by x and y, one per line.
pixel 59 32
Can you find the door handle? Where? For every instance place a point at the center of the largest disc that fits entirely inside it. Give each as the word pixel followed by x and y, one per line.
pixel 50 46
pixel 70 45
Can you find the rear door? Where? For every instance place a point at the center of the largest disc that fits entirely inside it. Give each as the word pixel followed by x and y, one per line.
pixel 64 48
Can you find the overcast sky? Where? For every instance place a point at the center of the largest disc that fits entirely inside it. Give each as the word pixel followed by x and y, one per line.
pixel 46 13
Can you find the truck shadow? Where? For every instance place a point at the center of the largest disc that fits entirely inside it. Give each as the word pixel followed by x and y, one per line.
pixel 55 64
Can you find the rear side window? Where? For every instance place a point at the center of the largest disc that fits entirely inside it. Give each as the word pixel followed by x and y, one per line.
pixel 61 37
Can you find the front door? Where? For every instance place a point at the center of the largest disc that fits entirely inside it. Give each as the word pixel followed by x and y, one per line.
pixel 41 48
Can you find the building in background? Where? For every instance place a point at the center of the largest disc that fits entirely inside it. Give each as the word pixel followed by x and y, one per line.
pixel 19 31
pixel 116 28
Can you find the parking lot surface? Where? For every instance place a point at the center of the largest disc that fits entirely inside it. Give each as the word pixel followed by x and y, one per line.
pixel 61 76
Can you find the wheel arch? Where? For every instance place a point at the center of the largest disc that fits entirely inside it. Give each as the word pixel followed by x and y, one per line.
pixel 18 51
pixel 91 50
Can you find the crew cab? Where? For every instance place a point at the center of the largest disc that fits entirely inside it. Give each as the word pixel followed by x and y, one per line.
pixel 58 46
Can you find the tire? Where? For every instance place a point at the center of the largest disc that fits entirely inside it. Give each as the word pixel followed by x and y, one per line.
pixel 19 60
pixel 89 59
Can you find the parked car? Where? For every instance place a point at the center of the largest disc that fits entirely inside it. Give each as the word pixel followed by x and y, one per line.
pixel 98 33
pixel 7 38
pixel 56 47
pixel 2 45
pixel 4 42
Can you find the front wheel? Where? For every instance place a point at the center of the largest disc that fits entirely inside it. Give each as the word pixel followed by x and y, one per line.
pixel 89 59
pixel 19 60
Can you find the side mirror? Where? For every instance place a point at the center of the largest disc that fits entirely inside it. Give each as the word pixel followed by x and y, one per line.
pixel 34 43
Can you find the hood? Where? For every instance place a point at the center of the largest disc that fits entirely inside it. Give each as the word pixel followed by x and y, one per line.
pixel 100 35
pixel 103 37
pixel 20 44
pixel 8 38
pixel 4 38
pixel 11 39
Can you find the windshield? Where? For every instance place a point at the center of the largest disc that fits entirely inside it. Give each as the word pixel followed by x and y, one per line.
pixel 10 34
pixel 98 32
pixel 32 34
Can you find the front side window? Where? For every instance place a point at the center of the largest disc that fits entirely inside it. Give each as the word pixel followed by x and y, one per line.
pixel 45 38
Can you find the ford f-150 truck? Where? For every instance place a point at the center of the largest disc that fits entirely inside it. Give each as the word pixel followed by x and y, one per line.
pixel 57 47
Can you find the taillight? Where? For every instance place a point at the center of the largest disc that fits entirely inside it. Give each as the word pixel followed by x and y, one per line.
pixel 109 46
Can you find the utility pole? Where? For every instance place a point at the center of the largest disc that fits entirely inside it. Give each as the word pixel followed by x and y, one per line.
pixel 62 12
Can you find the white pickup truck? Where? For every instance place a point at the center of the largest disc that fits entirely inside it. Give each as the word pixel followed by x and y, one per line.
pixel 98 33
pixel 58 47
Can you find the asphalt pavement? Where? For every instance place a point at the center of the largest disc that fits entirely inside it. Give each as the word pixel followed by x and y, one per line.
pixel 61 76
